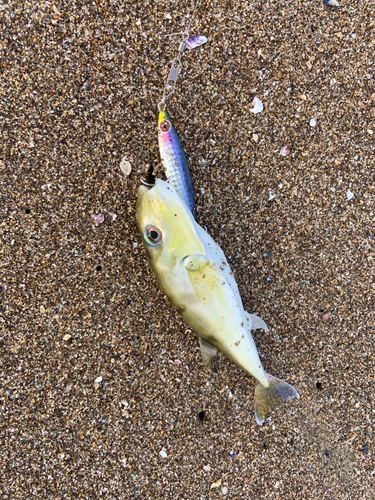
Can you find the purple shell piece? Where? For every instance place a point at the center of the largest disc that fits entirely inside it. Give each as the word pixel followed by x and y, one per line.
pixel 195 41
pixel 98 218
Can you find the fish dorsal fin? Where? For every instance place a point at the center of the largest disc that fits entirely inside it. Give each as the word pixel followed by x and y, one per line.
pixel 204 276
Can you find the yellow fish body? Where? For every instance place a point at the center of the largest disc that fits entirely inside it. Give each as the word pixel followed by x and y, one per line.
pixel 195 275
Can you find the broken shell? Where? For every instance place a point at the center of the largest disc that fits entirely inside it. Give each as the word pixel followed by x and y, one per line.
pixel 125 166
pixel 284 151
pixel 99 218
pixel 312 122
pixel 216 484
pixel 331 3
pixel 258 106
pixel 195 41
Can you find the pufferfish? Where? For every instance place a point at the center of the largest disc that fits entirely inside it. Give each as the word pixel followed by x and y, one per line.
pixel 194 274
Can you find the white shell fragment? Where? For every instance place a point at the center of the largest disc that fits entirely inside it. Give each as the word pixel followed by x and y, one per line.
pixel 258 106
pixel 284 151
pixel 332 3
pixel 195 41
pixel 349 195
pixel 272 196
pixel 98 380
pixel 312 122
pixel 163 453
pixel 99 218
pixel 216 484
pixel 125 166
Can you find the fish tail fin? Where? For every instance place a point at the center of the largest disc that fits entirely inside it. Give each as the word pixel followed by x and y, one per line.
pixel 268 398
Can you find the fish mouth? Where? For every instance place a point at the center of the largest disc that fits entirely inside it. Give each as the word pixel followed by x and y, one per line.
pixel 150 186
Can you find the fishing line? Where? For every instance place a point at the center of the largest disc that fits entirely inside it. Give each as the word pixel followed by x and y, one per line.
pixel 171 81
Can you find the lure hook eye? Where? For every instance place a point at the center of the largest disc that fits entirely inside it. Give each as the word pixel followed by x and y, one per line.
pixel 165 126
pixel 153 235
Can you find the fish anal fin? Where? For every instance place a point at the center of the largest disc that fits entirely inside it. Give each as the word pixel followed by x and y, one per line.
pixel 204 276
pixel 268 398
pixel 256 322
pixel 208 352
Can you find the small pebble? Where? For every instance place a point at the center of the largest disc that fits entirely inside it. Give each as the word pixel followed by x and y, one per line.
pixel 312 122
pixel 284 151
pixel 349 195
pixel 98 380
pixel 224 490
pixel 163 453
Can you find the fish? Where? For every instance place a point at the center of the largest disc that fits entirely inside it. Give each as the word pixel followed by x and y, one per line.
pixel 174 161
pixel 196 277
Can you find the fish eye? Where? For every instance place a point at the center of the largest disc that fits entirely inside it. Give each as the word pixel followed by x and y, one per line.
pixel 153 236
pixel 165 126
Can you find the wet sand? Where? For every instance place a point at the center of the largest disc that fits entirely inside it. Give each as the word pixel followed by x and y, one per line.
pixel 99 374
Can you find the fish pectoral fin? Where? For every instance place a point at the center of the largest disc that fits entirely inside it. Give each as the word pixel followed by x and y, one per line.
pixel 268 398
pixel 196 262
pixel 256 322
pixel 204 276
pixel 208 352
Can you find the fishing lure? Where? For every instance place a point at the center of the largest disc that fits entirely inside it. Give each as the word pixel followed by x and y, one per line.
pixel 174 161
pixel 171 152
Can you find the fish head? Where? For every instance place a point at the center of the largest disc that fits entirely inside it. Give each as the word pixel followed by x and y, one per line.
pixel 164 124
pixel 167 227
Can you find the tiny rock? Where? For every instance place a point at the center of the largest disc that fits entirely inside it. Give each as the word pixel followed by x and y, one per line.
pixel 284 151
pixel 42 309
pixel 163 453
pixel 312 122
pixel 98 380
pixel 224 490
pixel 207 468
pixel 67 337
